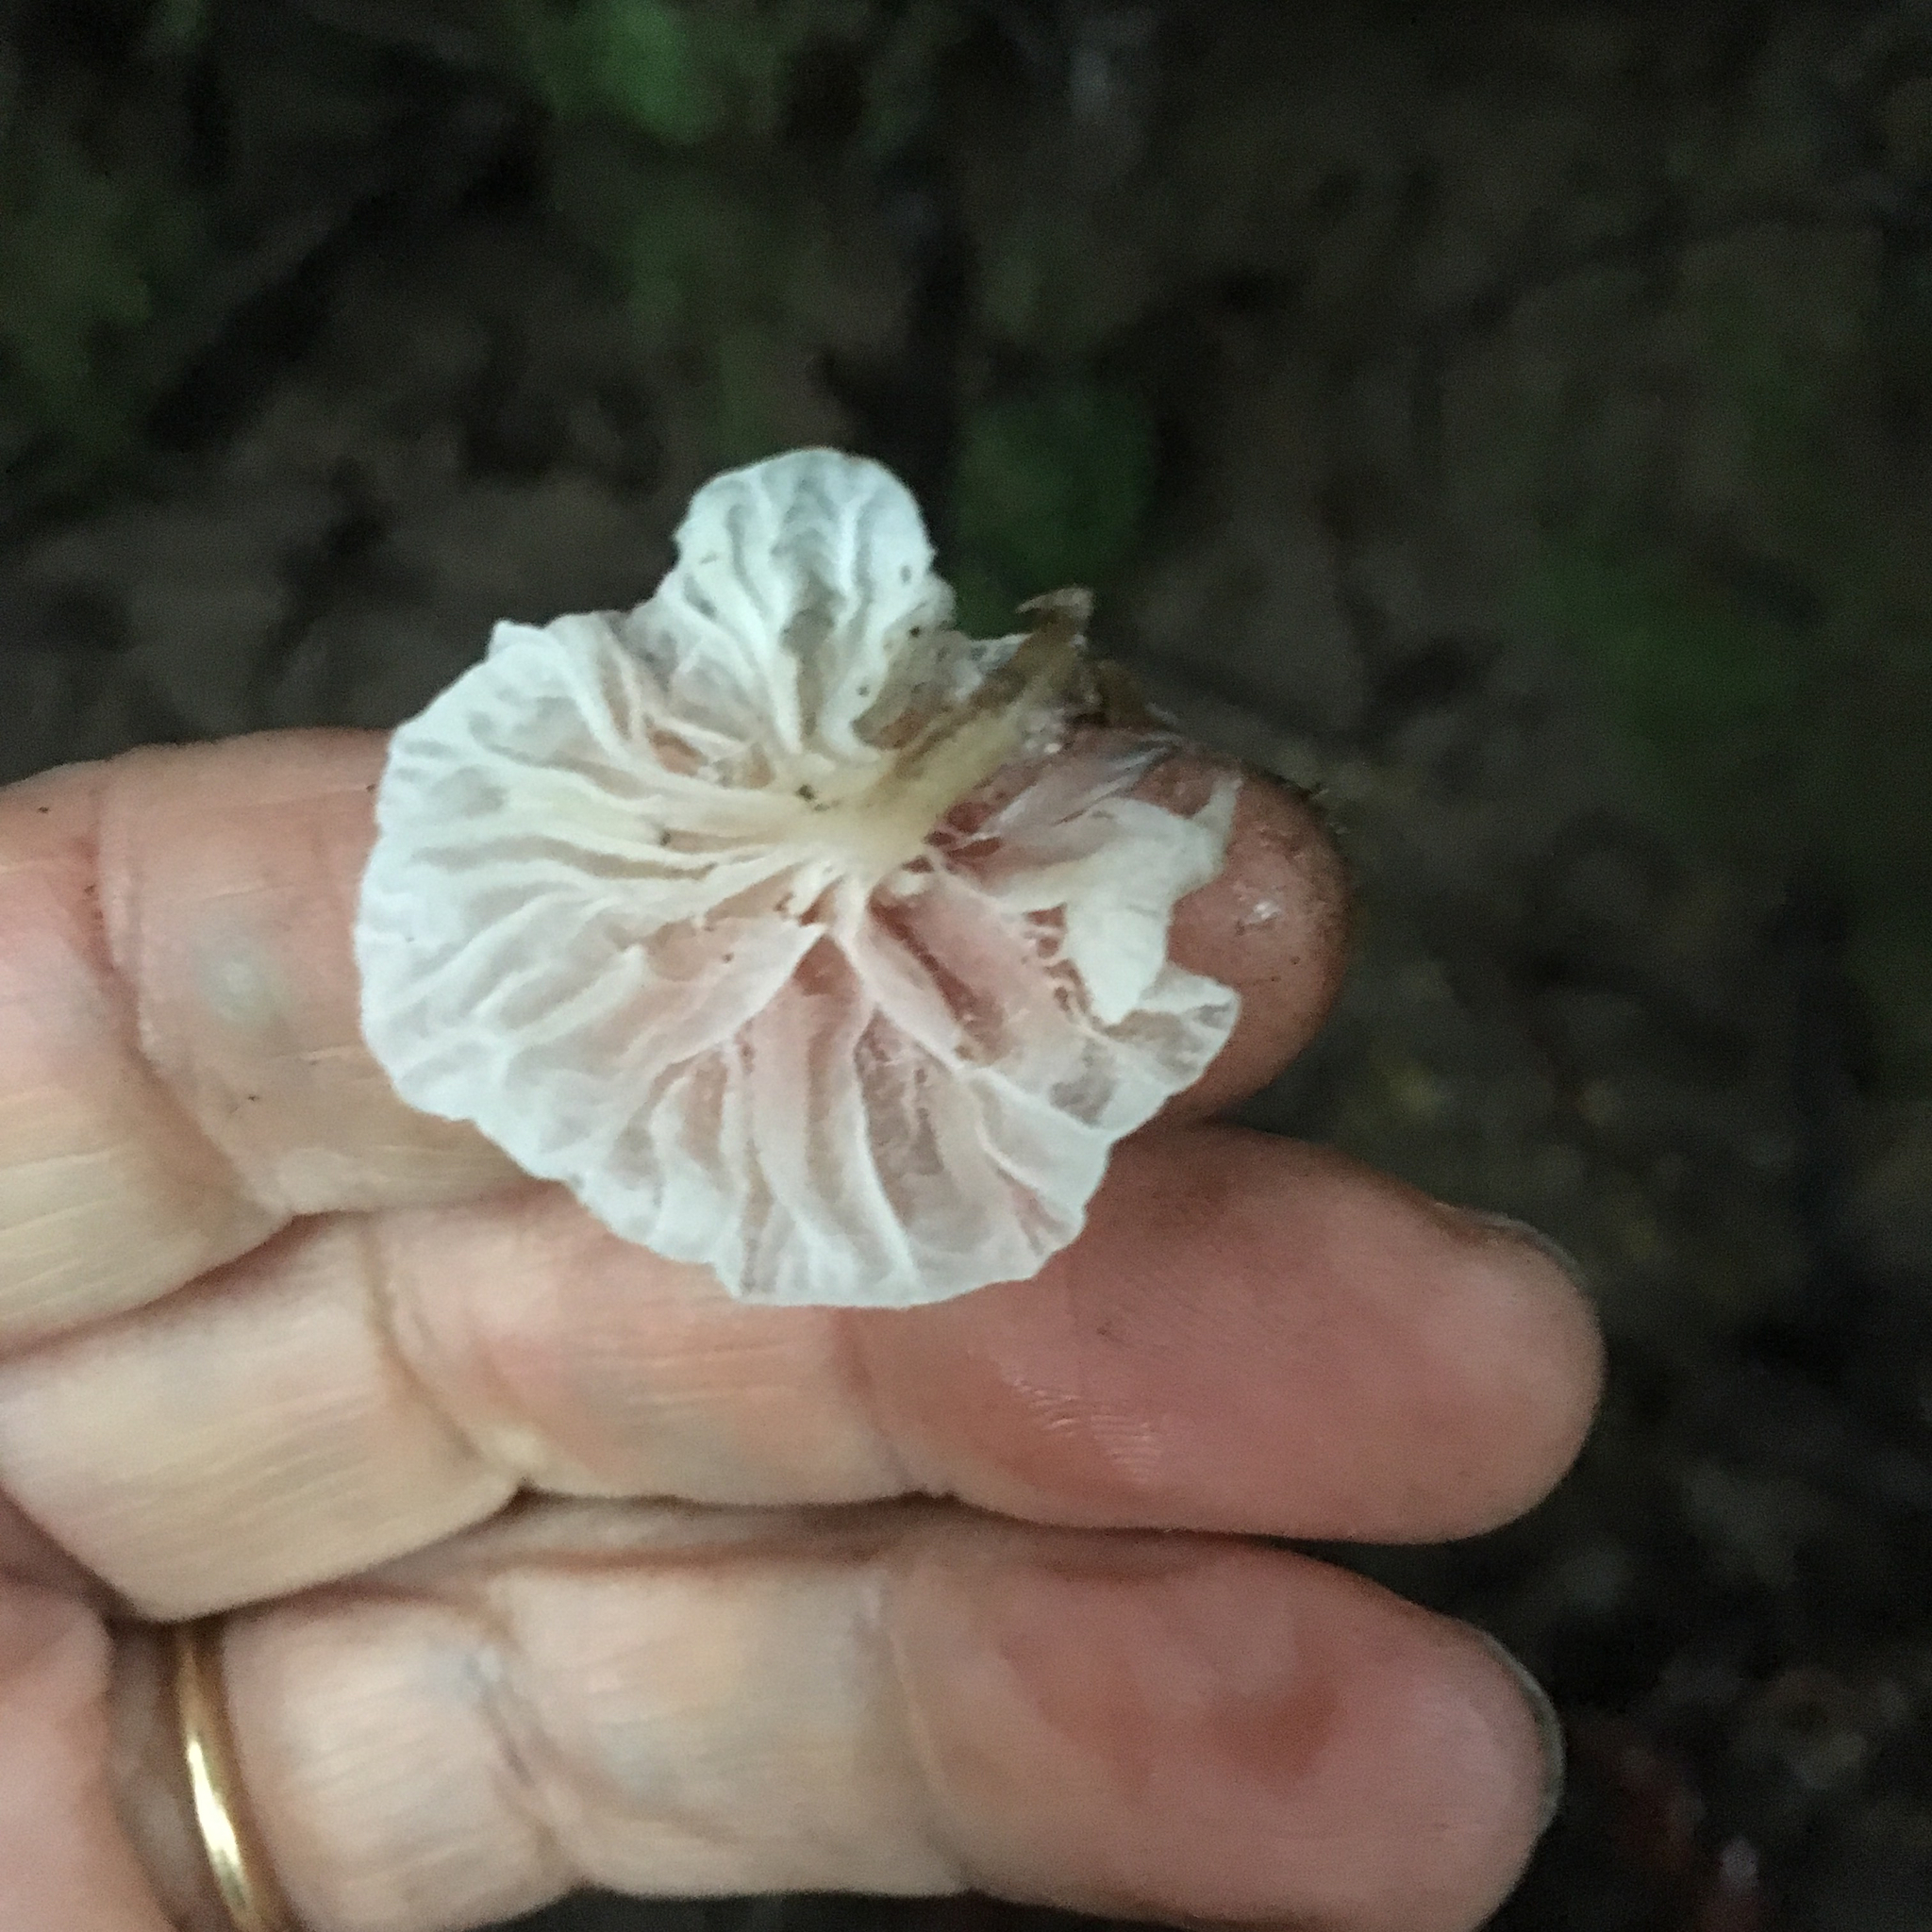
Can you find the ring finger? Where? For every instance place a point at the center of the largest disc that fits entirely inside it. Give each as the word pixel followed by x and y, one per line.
pixel 905 1701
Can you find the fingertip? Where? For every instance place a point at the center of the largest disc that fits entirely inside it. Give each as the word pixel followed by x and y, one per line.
pixel 1133 1727
pixel 1273 925
pixel 1259 1336
pixel 1532 1310
pixel 1552 1747
pixel 65 1860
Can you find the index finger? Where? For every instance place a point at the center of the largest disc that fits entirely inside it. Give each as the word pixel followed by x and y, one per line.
pixel 182 1071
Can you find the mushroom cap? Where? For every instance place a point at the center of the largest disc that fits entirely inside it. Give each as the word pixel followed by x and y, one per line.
pixel 681 909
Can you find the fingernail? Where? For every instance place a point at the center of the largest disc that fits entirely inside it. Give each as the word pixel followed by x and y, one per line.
pixel 1523 1231
pixel 1549 1730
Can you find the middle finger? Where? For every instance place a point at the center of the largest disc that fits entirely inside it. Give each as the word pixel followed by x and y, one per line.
pixel 1252 1335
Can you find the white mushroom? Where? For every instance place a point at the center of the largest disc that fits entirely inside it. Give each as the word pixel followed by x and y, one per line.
pixel 774 919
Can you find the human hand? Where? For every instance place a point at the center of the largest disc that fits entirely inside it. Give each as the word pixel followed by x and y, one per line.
pixel 551 1566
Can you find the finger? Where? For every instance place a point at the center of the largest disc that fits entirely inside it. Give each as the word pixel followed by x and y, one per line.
pixel 29 1554
pixel 1274 926
pixel 65 1860
pixel 1155 1727
pixel 181 1063
pixel 1251 1336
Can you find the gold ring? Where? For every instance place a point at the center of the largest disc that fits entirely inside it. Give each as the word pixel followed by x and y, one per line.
pixel 234 1853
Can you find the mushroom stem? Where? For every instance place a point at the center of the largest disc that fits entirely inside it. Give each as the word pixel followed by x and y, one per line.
pixel 961 748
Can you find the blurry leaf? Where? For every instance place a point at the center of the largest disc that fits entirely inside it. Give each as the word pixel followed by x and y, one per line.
pixel 86 255
pixel 651 68
pixel 1707 694
pixel 679 72
pixel 1051 489
pixel 702 255
pixel 687 234
pixel 1774 743
pixel 747 271
pixel 177 27
pixel 726 280
pixel 901 81
pixel 746 419
pixel 1780 400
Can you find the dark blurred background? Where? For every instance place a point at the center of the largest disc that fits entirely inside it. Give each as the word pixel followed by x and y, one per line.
pixel 1511 423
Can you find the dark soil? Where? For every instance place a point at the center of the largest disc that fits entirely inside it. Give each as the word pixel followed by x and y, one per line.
pixel 1411 297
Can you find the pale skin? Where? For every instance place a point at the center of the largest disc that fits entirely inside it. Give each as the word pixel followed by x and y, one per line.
pixel 550 1566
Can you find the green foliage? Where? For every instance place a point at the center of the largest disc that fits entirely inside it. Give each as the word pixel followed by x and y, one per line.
pixel 1771 729
pixel 666 162
pixel 726 278
pixel 905 52
pixel 175 26
pixel 637 60
pixel 648 62
pixel 1768 739
pixel 679 72
pixel 89 255
pixel 667 159
pixel 1712 696
pixel 1051 489
pixel 692 253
